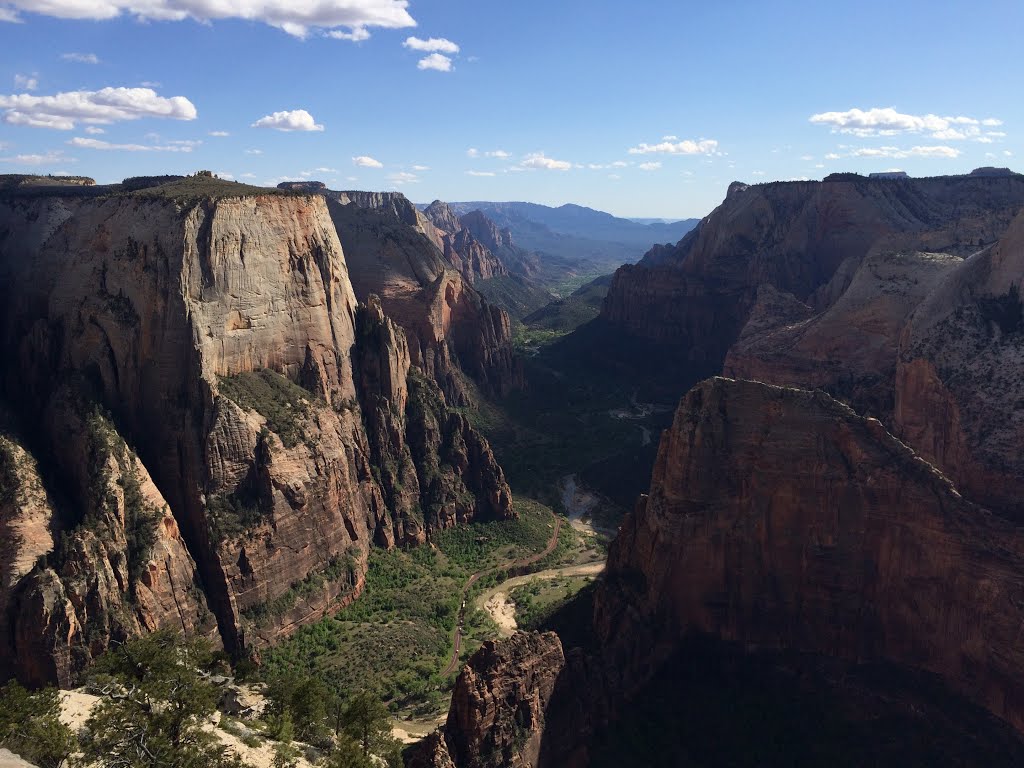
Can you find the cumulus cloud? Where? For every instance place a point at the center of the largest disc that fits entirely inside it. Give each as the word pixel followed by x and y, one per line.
pixel 364 161
pixel 831 156
pixel 170 146
pixel 539 160
pixel 295 18
pixel 219 134
pixel 480 173
pixel 435 61
pixel 887 121
pixel 431 45
pixel 293 120
pixel 93 130
pixel 28 82
pixel 64 110
pixel 687 147
pixel 899 154
pixel 649 166
pixel 81 58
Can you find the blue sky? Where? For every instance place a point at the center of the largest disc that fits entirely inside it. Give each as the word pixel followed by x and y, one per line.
pixel 640 109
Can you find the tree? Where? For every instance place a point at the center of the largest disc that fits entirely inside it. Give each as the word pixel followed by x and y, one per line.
pixel 156 702
pixel 30 726
pixel 366 720
pixel 348 753
pixel 306 702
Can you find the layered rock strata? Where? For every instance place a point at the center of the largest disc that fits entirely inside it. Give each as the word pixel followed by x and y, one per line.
pixel 219 333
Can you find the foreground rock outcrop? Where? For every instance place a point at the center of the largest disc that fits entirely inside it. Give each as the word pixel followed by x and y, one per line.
pixel 786 542
pixel 218 329
pixel 498 715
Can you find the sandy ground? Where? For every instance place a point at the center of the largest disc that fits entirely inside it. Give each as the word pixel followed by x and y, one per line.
pixel 502 610
pixel 77 705
pixel 410 731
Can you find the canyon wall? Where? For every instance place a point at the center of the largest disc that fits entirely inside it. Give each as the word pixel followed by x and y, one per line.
pixel 218 333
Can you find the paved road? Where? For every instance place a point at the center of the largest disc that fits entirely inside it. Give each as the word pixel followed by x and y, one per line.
pixel 512 565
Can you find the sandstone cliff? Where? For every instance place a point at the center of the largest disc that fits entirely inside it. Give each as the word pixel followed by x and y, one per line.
pixel 451 329
pixel 219 331
pixel 960 381
pixel 807 239
pixel 461 249
pixel 498 715
pixel 849 349
pixel 779 518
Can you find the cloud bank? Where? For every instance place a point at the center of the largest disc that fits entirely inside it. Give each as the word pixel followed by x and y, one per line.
pixel 109 105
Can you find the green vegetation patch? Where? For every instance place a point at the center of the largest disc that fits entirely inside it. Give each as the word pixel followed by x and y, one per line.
pixel 538 601
pixel 283 403
pixel 395 639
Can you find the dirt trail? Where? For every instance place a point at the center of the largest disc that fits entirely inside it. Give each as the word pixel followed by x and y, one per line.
pixel 496 600
pixel 509 566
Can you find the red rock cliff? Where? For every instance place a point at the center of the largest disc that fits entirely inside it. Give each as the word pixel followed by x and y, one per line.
pixel 779 518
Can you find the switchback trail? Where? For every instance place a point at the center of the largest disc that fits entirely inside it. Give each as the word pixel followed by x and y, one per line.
pixel 509 566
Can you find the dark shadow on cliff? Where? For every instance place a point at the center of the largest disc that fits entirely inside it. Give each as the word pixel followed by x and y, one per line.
pixel 714 705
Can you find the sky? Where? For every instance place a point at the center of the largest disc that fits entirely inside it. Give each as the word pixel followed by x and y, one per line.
pixel 642 109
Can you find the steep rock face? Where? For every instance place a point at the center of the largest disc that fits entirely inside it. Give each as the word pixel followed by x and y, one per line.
pixel 434 468
pixel 499 242
pixel 461 249
pixel 960 379
pixel 28 526
pixel 778 518
pixel 194 321
pixel 450 328
pixel 850 349
pixel 498 712
pixel 123 569
pixel 693 300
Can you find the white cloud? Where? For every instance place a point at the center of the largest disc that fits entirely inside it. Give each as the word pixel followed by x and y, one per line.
pixel 887 121
pixel 432 45
pixel 435 61
pixel 225 175
pixel 757 173
pixel 831 156
pixel 899 154
pixel 326 170
pixel 480 173
pixel 254 151
pixel 614 176
pixel 670 138
pixel 247 175
pixel 170 146
pixel 499 153
pixel 357 35
pixel 539 160
pixel 81 58
pixel 93 130
pixel 421 167
pixel 620 164
pixel 363 161
pixel 649 166
pixel 219 134
pixel 687 147
pixel 105 106
pixel 294 120
pixel 1007 153
pixel 991 122
pixel 295 18
pixel 54 156
pixel 28 82
pixel 403 177
pixel 807 158
pixel 472 152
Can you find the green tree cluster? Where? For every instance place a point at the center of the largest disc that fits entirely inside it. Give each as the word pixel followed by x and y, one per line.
pixel 30 726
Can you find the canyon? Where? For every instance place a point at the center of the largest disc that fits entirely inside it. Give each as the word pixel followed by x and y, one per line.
pixel 193 372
